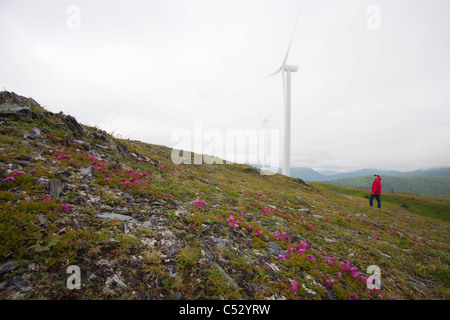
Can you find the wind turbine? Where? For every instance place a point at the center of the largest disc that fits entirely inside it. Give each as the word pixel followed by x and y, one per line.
pixel 265 122
pixel 286 70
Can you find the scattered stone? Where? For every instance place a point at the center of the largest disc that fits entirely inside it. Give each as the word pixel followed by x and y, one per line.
pixel 7 266
pixel 13 105
pixel 399 234
pixel 64 173
pixel 110 215
pixel 73 125
pixel 329 240
pixel 384 255
pixel 272 207
pixel 149 242
pixel 55 188
pixel 123 151
pixel 35 134
pixel 253 286
pixel 102 147
pixel 318 216
pixel 42 219
pixel 274 248
pixel 18 282
pixel 305 210
pixel 119 281
pixel 88 173
pixel 219 242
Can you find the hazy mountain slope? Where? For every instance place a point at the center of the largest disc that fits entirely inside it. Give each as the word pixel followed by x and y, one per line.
pixel 433 186
pixel 140 227
pixel 309 174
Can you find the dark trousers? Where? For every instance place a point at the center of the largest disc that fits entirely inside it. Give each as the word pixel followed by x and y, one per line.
pixel 378 200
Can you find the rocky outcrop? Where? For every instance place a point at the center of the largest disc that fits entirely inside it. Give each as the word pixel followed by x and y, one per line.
pixel 13 105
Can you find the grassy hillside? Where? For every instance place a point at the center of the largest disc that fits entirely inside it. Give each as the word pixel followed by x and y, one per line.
pixel 431 207
pixel 140 227
pixel 433 186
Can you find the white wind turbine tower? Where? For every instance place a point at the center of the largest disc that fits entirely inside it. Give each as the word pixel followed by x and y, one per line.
pixel 265 122
pixel 286 70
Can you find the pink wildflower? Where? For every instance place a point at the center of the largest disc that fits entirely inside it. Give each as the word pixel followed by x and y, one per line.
pixel 294 285
pixel 66 206
pixel 354 297
pixel 328 283
pixel 9 179
pixel 106 180
pixel 169 196
pixel 310 257
pixel 339 274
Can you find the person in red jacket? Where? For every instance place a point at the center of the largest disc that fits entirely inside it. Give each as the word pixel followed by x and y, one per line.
pixel 376 190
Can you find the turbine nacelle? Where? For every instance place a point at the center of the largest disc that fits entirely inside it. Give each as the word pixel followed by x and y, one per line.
pixel 290 68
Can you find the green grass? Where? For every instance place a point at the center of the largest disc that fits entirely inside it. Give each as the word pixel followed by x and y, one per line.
pixel 431 207
pixel 435 186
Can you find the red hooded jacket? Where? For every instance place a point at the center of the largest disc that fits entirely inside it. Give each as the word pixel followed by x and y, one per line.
pixel 376 186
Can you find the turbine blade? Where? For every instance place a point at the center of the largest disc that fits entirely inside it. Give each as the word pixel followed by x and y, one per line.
pixel 259 114
pixel 266 118
pixel 274 73
pixel 292 37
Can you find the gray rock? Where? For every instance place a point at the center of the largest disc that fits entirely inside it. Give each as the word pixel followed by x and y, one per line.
pixel 55 188
pixel 42 219
pixel 35 134
pixel 123 151
pixel 384 255
pixel 305 210
pixel 219 242
pixel 318 216
pixel 18 282
pixel 88 173
pixel 272 207
pixel 329 240
pixel 274 248
pixel 399 234
pixel 74 126
pixel 13 105
pixel 253 286
pixel 102 147
pixel 110 215
pixel 7 266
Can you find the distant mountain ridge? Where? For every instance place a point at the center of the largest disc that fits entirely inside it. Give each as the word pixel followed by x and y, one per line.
pixel 311 175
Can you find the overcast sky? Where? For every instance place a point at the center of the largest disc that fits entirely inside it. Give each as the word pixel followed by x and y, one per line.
pixel 372 90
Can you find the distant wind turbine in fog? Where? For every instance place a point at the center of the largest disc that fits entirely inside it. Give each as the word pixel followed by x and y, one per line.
pixel 265 122
pixel 286 70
